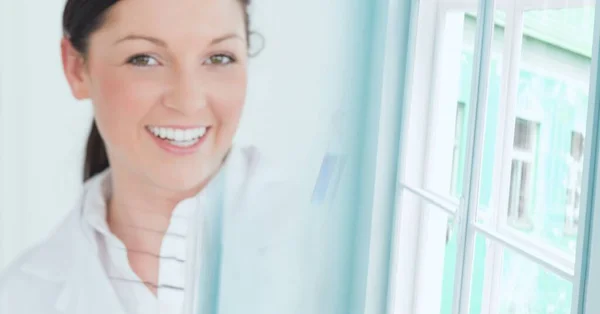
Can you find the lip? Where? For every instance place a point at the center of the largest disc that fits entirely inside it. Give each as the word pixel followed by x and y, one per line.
pixel 182 127
pixel 176 150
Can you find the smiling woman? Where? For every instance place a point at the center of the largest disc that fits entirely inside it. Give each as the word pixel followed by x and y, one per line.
pixel 176 76
pixel 168 89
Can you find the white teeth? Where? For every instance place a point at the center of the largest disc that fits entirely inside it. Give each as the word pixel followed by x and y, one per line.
pixel 184 143
pixel 182 137
pixel 179 135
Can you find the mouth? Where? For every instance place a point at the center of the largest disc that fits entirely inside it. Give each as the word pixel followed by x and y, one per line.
pixel 179 137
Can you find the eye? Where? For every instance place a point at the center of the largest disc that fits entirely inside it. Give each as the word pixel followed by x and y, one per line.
pixel 142 61
pixel 220 59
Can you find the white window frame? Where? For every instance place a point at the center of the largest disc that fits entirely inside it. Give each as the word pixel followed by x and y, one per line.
pixel 551 258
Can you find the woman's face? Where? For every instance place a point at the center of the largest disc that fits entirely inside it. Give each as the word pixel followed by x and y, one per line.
pixel 168 82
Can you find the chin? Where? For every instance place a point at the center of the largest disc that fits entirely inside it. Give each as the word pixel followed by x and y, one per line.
pixel 180 178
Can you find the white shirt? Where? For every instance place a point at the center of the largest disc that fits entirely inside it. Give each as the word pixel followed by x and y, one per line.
pixel 134 295
pixel 276 259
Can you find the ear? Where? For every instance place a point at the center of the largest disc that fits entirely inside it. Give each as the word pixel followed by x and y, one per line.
pixel 74 69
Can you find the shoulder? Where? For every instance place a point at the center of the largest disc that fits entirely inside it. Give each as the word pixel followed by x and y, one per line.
pixel 38 272
pixel 19 289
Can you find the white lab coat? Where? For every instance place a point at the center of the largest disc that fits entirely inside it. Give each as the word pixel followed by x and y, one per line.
pixel 265 268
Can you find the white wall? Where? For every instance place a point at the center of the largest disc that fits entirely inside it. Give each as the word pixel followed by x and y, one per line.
pixel 42 128
pixel 295 83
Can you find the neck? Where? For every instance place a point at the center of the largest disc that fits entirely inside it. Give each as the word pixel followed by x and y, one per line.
pixel 139 214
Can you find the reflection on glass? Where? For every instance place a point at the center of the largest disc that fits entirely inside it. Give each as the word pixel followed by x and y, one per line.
pixel 574 183
pixel 463 104
pixel 449 268
pixel 478 275
pixel 523 157
pixel 441 260
pixel 550 108
pixel 435 259
pixel 461 82
pixel 526 287
pixel 460 128
pixel 481 276
pixel 505 282
pixel 449 103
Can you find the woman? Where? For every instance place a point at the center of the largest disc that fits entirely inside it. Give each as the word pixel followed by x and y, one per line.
pixel 167 80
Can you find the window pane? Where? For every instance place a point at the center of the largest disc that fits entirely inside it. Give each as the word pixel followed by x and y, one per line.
pixel 435 257
pixel 435 150
pixel 526 287
pixel 550 107
pixel 464 106
pixel 479 276
pixel 449 268
pixel 491 133
pixel 507 283
pixel 440 130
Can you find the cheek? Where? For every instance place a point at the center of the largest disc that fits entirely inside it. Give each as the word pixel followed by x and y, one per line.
pixel 120 103
pixel 227 96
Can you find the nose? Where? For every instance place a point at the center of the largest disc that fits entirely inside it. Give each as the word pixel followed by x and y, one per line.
pixel 186 95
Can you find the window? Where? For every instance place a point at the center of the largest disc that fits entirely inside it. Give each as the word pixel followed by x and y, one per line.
pixel 522 171
pixel 505 157
pixel 458 148
pixel 459 128
pixel 574 182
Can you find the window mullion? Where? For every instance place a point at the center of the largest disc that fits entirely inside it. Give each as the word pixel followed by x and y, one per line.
pixel 469 201
pixel 504 144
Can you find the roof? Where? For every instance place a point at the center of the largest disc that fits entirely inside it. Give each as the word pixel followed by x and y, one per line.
pixel 571 28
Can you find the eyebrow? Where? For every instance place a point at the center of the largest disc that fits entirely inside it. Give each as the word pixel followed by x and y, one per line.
pixel 162 43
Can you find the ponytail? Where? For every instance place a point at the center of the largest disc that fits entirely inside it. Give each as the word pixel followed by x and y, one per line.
pixel 96 159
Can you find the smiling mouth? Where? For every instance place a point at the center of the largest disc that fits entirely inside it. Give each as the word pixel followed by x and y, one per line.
pixel 179 137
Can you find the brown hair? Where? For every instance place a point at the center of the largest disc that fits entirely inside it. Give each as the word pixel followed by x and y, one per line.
pixel 80 19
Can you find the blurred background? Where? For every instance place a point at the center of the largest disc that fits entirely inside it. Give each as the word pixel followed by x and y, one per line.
pixel 472 126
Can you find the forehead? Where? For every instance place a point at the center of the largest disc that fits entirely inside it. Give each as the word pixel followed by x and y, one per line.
pixel 183 18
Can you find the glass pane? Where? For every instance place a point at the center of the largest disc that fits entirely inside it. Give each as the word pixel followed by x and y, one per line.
pixel 491 127
pixel 434 152
pixel 505 282
pixel 479 274
pixel 526 287
pixel 449 268
pixel 480 279
pixel 435 259
pixel 443 104
pixel 545 161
